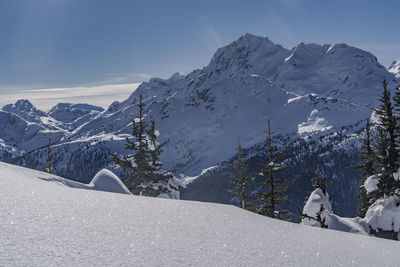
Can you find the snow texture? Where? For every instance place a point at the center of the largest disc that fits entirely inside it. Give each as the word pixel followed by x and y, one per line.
pixel 396 175
pixel 371 183
pixel 105 180
pixel 45 224
pixel 314 202
pixel 384 214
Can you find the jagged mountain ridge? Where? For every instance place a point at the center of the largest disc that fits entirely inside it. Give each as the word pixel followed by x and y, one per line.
pixel 25 128
pixel 205 111
pixel 310 90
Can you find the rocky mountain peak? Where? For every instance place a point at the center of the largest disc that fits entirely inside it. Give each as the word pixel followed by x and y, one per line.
pixel 249 54
pixel 25 109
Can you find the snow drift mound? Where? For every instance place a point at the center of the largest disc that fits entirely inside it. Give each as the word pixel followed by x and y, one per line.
pixel 106 180
pixel 318 205
pixel 313 205
pixel 384 214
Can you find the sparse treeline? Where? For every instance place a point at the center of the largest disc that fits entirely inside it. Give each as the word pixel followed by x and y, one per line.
pixel 380 160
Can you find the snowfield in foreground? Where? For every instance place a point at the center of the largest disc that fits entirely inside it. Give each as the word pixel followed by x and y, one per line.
pixel 48 223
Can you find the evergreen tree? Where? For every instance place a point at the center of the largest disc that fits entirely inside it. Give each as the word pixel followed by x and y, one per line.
pixel 146 176
pixel 274 192
pixel 367 169
pixel 161 178
pixel 319 182
pixel 49 165
pixel 386 145
pixel 396 99
pixel 155 149
pixel 241 180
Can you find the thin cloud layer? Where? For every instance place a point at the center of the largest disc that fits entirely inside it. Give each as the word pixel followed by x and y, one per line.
pixel 102 95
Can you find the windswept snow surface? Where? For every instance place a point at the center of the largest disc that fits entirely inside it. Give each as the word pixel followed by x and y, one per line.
pixel 45 224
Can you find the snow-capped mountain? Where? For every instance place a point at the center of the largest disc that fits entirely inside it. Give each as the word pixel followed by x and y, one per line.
pixel 395 68
pixel 25 110
pixel 25 128
pixel 308 89
pixel 310 93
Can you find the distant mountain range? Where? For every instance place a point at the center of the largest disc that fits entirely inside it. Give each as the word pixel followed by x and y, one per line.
pixel 311 94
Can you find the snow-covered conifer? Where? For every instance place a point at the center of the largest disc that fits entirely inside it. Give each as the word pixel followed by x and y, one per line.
pixel 367 169
pixel 386 145
pixel 145 173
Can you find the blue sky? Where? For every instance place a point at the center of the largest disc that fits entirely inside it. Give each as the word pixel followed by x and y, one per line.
pixel 71 43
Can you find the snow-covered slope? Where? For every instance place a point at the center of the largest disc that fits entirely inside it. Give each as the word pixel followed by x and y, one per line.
pixel 45 224
pixel 395 68
pixel 74 115
pixel 26 134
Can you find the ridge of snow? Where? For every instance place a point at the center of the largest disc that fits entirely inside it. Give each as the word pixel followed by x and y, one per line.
pixel 371 183
pixel 104 180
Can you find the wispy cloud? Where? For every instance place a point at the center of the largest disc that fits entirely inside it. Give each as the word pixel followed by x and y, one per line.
pixel 45 98
pixel 128 78
pixel 212 37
